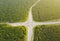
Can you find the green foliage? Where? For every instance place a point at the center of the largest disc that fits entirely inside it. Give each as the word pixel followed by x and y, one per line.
pixel 46 10
pixel 10 33
pixel 14 10
pixel 47 33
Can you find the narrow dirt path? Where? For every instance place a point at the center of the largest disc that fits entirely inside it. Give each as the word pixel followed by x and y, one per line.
pixel 29 23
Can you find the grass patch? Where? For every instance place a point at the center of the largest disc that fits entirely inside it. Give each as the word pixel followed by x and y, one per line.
pixel 10 33
pixel 14 10
pixel 47 33
pixel 46 10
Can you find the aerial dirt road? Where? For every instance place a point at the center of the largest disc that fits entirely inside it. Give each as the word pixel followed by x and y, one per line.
pixel 30 23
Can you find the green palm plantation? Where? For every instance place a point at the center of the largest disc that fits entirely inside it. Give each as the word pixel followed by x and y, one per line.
pixel 46 10
pixel 12 33
pixel 47 33
pixel 14 10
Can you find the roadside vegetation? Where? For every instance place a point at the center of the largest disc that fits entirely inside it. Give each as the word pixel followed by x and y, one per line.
pixel 12 33
pixel 14 10
pixel 47 33
pixel 46 10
